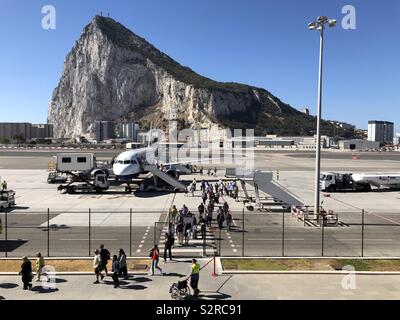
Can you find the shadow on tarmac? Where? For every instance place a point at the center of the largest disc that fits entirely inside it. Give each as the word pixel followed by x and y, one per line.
pixel 8 285
pixel 40 289
pixel 134 287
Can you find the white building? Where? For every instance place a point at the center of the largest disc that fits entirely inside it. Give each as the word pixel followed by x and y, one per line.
pixel 358 144
pixel 380 131
pixel 129 130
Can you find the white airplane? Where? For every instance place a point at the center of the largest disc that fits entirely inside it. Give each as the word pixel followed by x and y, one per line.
pixel 127 165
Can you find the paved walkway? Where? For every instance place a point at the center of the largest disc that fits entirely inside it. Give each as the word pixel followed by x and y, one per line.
pixel 261 286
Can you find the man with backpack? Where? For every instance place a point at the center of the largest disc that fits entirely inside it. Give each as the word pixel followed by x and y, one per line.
pixel 104 257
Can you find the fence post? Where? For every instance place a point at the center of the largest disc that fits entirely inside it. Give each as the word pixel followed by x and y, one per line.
pixel 220 238
pixel 283 233
pixel 130 232
pixel 362 234
pixel 48 232
pixel 322 235
pixel 6 234
pixel 89 233
pixel 204 244
pixel 155 227
pixel 243 233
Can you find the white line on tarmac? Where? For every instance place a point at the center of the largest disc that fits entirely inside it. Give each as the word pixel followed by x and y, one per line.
pixel 390 220
pixel 88 239
pixel 388 240
pixel 275 239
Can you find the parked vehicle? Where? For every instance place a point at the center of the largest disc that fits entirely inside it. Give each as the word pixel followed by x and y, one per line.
pixel 333 181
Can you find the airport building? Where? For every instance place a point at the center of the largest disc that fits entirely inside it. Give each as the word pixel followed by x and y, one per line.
pixel 380 131
pixel 9 130
pixel 42 131
pixel 129 131
pixel 104 130
pixel 295 142
pixel 358 144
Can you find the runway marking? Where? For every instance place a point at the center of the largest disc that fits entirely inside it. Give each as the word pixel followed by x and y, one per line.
pixel 234 250
pixel 388 240
pixel 275 239
pixel 88 239
pixel 390 220
pixel 138 250
pixel 140 245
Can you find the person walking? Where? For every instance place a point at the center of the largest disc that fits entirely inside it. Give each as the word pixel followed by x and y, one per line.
pixel 209 218
pixel 236 193
pixel 204 197
pixel 4 185
pixel 123 268
pixel 105 255
pixel 155 257
pixel 26 272
pixel 195 277
pixel 168 243
pixel 201 209
pixel 203 228
pixel 97 265
pixel 188 231
pixel 215 171
pixel 229 220
pixel 173 214
pixel 225 207
pixel 179 231
pixel 220 218
pixel 115 271
pixel 39 265
pixel 192 189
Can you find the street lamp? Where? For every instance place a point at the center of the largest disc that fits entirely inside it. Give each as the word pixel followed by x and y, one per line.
pixel 319 25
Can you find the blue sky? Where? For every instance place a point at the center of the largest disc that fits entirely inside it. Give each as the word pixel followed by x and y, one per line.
pixel 264 43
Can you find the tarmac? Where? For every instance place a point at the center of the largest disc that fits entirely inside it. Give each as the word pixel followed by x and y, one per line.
pixel 223 287
pixel 262 235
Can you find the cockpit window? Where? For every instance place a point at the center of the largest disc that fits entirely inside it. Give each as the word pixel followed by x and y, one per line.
pixel 127 162
pixel 134 161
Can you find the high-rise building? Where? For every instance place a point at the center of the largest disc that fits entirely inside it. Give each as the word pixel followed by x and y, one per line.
pixel 129 130
pixel 380 131
pixel 104 130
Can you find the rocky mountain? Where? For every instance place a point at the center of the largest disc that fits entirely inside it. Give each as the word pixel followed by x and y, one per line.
pixel 113 74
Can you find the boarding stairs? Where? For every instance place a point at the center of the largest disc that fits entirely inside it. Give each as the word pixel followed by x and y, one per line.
pixel 157 173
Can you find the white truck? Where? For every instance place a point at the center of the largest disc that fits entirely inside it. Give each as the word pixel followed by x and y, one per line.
pixel 83 173
pixel 7 199
pixel 334 181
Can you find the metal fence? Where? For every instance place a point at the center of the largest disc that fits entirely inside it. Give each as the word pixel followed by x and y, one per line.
pixel 252 234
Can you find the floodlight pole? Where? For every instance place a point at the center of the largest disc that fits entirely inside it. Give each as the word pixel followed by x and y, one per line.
pixel 318 139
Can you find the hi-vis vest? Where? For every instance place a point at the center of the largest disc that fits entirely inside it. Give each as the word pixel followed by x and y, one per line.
pixel 195 268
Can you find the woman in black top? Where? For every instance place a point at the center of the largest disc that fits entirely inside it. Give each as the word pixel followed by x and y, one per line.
pixel 26 272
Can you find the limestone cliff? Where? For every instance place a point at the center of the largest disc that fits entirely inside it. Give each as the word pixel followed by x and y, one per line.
pixel 113 74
